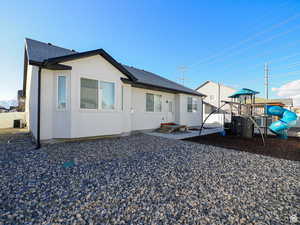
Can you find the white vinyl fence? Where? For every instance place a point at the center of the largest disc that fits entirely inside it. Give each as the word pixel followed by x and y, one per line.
pixel 7 119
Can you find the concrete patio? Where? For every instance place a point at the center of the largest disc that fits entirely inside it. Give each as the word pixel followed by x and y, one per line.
pixel 187 134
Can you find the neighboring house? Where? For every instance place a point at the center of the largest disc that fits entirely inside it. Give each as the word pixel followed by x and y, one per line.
pixel 3 109
pixel 71 95
pixel 215 94
pixel 261 102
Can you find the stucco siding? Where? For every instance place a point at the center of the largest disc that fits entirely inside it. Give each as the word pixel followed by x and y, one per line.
pixel 129 113
pixel 189 118
pixel 96 122
pixel 143 120
pixel 32 99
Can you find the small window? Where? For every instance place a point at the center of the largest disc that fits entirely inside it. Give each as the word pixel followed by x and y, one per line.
pixel 88 94
pixel 61 92
pixel 122 93
pixel 157 103
pixel 192 104
pixel 108 95
pixel 211 97
pixel 170 106
pixel 153 103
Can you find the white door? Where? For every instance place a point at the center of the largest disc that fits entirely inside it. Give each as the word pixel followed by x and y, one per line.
pixel 170 113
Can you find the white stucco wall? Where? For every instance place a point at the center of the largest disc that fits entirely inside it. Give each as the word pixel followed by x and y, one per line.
pixel 75 122
pixel 189 118
pixel 142 120
pixel 7 119
pixel 55 123
pixel 31 99
pixel 89 122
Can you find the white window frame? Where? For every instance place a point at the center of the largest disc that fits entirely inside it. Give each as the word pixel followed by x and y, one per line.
pixel 84 109
pixel 66 94
pixel 100 96
pixel 193 100
pixel 99 109
pixel 153 103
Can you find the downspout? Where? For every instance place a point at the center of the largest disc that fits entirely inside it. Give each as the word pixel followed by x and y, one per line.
pixel 38 136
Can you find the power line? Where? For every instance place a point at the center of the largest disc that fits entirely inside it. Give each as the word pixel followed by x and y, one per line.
pixel 262 42
pixel 247 39
pixel 232 66
pixel 288 73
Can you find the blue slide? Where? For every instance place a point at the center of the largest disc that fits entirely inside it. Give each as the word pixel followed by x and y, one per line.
pixel 286 121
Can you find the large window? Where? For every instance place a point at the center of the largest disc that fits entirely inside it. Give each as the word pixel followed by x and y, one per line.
pixel 96 94
pixel 61 92
pixel 88 94
pixel 153 103
pixel 191 104
pixel 108 95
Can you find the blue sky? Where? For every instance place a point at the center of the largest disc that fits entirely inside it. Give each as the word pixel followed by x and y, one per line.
pixel 223 40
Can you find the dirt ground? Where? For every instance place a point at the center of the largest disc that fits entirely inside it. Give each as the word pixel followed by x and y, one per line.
pixel 275 147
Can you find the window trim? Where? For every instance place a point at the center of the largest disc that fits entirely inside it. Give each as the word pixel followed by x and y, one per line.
pixel 99 108
pixel 84 109
pixel 100 97
pixel 187 105
pixel 161 108
pixel 66 93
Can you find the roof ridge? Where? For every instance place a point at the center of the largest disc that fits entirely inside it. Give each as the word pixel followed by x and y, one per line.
pixel 224 85
pixel 160 77
pixel 50 44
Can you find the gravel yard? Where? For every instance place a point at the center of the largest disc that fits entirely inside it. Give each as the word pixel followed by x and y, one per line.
pixel 144 179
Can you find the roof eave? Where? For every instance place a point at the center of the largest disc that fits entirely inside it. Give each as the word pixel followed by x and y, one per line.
pixel 101 52
pixel 202 85
pixel 50 66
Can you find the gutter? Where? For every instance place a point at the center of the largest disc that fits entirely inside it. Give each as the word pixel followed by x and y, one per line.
pixel 38 136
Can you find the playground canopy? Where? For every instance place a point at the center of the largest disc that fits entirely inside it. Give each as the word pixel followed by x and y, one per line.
pixel 242 92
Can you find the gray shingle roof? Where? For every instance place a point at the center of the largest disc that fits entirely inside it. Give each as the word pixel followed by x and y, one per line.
pixel 156 80
pixel 39 51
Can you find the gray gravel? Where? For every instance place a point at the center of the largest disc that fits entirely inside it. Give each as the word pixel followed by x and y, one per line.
pixel 144 179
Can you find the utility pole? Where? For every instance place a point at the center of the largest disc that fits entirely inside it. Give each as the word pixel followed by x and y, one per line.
pixel 267 97
pixel 182 70
pixel 267 80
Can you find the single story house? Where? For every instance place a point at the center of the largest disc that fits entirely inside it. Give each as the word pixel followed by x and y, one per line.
pixel 71 94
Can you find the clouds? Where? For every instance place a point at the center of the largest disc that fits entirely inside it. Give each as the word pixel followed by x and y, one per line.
pixel 290 90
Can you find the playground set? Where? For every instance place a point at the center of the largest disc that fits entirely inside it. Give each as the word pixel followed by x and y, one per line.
pixel 245 113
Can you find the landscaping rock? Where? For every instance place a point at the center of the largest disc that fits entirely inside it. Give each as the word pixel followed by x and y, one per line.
pixel 143 179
